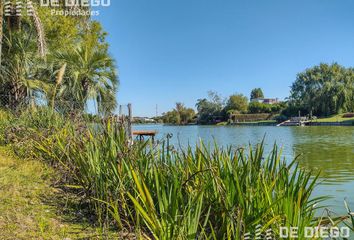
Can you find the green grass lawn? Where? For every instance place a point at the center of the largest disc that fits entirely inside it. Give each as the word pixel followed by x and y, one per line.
pixel 32 209
pixel 335 118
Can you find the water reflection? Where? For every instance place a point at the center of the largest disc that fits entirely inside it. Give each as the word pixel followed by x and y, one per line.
pixel 329 149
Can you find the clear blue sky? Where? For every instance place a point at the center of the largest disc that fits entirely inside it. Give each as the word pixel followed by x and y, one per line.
pixel 171 51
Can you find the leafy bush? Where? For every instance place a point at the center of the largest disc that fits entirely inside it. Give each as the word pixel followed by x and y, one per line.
pixel 257 107
pixel 5 119
pixel 280 118
pixel 29 126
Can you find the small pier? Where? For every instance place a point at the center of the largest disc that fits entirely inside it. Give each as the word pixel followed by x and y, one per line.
pixel 142 134
pixel 295 121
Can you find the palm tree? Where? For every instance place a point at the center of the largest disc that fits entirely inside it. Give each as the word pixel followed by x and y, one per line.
pixel 90 75
pixel 19 72
pixel 13 23
pixel 18 44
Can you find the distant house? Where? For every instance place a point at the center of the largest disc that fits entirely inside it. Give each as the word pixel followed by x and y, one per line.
pixel 266 100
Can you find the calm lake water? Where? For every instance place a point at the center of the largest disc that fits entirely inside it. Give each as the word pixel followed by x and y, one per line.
pixel 326 149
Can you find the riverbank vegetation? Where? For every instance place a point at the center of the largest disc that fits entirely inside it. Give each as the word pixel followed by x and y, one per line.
pixel 51 71
pixel 153 192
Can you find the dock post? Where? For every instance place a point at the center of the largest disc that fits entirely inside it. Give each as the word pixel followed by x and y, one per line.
pixel 130 118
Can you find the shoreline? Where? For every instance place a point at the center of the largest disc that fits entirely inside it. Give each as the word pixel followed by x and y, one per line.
pixel 311 124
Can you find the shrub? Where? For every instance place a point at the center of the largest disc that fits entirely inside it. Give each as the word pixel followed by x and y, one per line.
pixel 5 119
pixel 256 107
pixel 280 118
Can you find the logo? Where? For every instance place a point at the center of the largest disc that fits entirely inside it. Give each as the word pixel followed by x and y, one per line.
pixel 294 233
pixel 58 7
pixel 259 234
pixel 316 232
pixel 18 8
pixel 76 3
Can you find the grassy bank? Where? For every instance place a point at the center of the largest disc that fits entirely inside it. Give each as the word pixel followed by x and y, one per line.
pixel 31 208
pixel 336 118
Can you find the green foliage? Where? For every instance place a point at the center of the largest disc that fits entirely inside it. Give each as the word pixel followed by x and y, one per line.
pixel 324 90
pixel 210 110
pixel 257 107
pixel 200 192
pixel 210 193
pixel 280 118
pixel 179 115
pixel 20 65
pixel 257 93
pixel 237 103
pixel 34 51
pixel 29 126
pixel 5 119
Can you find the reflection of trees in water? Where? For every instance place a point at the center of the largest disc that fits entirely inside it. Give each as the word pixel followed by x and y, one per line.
pixel 329 149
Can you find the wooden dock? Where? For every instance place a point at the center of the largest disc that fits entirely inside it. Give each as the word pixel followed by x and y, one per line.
pixel 142 134
pixel 295 121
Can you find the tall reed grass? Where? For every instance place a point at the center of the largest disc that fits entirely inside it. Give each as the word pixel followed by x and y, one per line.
pixel 200 192
pixel 195 193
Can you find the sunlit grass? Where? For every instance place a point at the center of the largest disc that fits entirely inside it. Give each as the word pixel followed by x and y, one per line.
pixel 335 118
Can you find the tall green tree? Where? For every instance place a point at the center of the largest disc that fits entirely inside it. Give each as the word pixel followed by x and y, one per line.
pixel 21 59
pixel 22 49
pixel 210 109
pixel 179 115
pixel 257 93
pixel 324 90
pixel 90 72
pixel 237 103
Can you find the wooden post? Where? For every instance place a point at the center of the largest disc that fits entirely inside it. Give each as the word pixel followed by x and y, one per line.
pixel 120 110
pixel 130 118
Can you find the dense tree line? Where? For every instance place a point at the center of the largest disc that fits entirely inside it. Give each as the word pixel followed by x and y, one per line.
pixel 214 109
pixel 61 59
pixel 323 90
